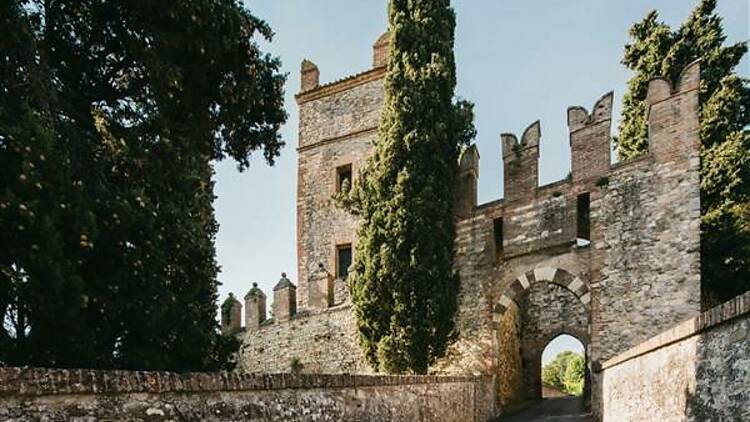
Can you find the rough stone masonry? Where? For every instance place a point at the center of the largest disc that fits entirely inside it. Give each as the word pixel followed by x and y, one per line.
pixel 28 394
pixel 609 255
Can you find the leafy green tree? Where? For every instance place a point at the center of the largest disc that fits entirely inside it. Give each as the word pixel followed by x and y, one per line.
pixel 403 285
pixel 565 373
pixel 129 103
pixel 656 50
pixel 574 375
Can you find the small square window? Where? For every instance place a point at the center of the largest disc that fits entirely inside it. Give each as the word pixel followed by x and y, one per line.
pixel 343 260
pixel 343 177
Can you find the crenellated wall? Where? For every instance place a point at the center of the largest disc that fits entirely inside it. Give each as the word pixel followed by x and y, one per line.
pixel 609 254
pixel 321 342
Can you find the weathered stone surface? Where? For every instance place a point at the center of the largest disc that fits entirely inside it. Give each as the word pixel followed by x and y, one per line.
pixel 636 275
pixel 62 395
pixel 231 315
pixel 255 308
pixel 511 384
pixel 689 373
pixel 335 131
pixel 322 342
pixel 547 311
pixel 284 299
pixel 320 289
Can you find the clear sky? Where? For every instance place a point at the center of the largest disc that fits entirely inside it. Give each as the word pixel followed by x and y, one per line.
pixel 517 60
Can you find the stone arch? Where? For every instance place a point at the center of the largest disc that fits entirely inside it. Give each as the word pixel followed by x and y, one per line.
pixel 552 275
pixel 542 304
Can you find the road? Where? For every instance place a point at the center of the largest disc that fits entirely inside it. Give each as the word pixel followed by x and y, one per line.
pixel 562 409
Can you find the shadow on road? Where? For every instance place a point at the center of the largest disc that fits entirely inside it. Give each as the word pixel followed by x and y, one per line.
pixel 558 409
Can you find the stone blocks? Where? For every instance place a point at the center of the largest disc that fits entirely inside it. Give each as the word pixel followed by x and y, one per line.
pixel 231 315
pixel 49 394
pixel 284 299
pixel 320 289
pixel 255 308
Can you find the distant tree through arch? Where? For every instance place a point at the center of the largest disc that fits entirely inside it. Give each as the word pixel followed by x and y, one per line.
pixel 563 367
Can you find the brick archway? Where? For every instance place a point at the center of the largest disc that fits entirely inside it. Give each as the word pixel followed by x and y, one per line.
pixel 542 275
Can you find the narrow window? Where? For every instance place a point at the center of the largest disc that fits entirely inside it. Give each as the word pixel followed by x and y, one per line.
pixel 343 260
pixel 343 177
pixel 498 230
pixel 584 219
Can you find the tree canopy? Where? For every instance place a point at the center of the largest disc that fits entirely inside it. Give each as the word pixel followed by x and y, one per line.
pixel 657 50
pixel 111 114
pixel 402 283
pixel 565 373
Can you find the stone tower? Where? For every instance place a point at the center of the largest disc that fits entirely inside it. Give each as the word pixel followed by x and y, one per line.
pixel 337 125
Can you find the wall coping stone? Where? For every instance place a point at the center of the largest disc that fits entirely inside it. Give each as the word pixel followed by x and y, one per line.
pixel 734 308
pixel 341 85
pixel 302 316
pixel 337 138
pixel 45 381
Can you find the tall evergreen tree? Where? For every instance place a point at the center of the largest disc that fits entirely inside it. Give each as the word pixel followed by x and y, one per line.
pixel 142 98
pixel 656 50
pixel 403 286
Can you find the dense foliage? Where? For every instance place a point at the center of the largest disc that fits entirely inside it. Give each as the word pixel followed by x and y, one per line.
pixel 565 373
pixel 656 50
pixel 111 114
pixel 402 282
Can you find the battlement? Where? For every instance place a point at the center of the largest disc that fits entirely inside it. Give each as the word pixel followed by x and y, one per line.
pixel 323 290
pixel 511 146
pixel 673 125
pixel 579 117
pixel 521 162
pixel 310 88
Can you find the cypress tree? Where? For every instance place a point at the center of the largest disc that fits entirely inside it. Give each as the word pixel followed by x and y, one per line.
pixel 656 50
pixel 403 286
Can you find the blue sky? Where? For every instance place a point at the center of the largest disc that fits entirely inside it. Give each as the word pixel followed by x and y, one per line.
pixel 517 60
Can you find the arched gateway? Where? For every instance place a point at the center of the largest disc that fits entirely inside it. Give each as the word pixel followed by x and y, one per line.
pixel 538 306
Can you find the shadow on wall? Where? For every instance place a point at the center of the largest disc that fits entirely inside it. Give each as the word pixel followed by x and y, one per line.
pixel 722 374
pixel 697 371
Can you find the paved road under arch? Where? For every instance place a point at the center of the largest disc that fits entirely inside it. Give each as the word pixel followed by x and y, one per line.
pixel 559 409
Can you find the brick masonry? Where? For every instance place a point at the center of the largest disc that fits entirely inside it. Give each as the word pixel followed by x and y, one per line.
pixel 636 275
pixel 697 371
pixel 61 395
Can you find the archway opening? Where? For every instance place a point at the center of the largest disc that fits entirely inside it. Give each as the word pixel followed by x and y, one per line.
pixel 563 367
pixel 538 307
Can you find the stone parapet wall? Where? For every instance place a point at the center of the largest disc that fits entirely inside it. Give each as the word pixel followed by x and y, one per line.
pixel 320 342
pixel 58 394
pixel 697 371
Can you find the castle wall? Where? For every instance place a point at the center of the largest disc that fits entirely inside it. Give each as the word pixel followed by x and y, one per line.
pixel 510 386
pixel 696 371
pixel 646 229
pixel 615 246
pixel 323 343
pixel 57 395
